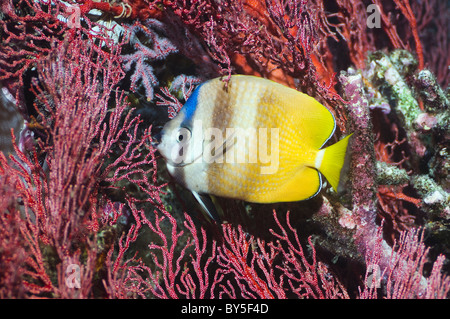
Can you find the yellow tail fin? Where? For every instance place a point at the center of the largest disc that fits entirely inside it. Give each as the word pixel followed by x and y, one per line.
pixel 330 161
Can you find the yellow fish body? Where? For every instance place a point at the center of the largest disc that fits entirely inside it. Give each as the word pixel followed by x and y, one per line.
pixel 252 139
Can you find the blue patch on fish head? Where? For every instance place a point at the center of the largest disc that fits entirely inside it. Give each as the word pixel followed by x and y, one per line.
pixel 189 107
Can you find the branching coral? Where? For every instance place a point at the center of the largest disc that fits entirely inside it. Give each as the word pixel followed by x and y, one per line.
pixel 56 183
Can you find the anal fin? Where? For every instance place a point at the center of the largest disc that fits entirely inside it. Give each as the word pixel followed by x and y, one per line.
pixel 306 183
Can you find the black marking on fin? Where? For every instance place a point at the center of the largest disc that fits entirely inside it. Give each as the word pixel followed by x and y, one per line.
pixel 320 185
pixel 208 206
pixel 332 132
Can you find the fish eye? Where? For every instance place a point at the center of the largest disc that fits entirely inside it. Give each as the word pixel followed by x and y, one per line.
pixel 183 135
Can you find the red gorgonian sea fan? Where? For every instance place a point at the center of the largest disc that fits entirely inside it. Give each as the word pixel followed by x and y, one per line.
pixel 55 181
pixel 242 266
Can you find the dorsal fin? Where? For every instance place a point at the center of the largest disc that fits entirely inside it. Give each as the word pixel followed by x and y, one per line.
pixel 313 121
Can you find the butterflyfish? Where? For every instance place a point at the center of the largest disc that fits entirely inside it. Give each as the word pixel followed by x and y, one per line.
pixel 252 139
